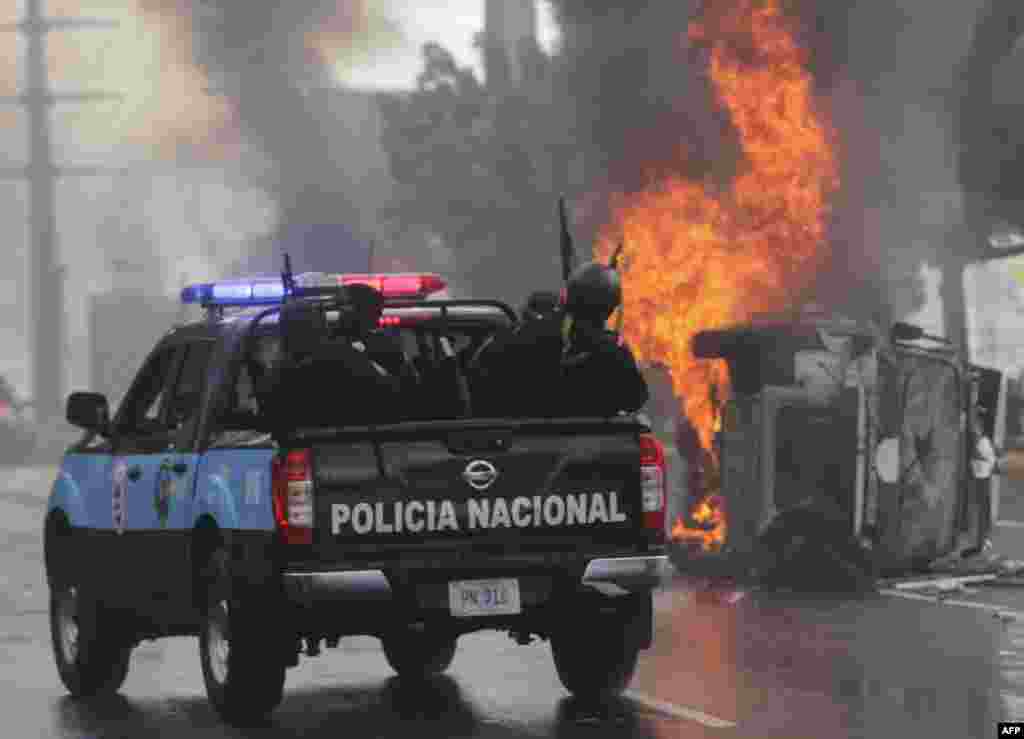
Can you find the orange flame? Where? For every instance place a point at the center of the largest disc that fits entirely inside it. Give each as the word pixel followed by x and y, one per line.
pixel 709 515
pixel 701 257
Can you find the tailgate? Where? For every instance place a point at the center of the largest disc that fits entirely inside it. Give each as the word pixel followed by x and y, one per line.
pixel 495 493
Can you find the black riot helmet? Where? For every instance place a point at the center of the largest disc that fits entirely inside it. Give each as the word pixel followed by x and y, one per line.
pixel 367 306
pixel 539 305
pixel 593 292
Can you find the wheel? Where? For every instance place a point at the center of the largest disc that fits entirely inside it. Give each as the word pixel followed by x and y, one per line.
pixel 90 657
pixel 415 655
pixel 596 662
pixel 244 680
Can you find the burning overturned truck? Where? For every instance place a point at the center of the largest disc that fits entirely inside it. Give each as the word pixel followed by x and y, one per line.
pixel 840 452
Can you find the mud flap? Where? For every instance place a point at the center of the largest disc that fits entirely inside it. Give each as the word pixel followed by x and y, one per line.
pixel 641 624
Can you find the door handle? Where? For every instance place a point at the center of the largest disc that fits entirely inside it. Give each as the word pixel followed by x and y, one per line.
pixel 134 473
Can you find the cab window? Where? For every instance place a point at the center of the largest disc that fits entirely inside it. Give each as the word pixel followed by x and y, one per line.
pixel 187 393
pixel 241 408
pixel 142 411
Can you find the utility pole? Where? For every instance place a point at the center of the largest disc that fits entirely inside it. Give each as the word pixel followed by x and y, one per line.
pixel 46 280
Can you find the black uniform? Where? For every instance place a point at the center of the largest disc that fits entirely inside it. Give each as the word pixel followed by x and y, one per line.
pixel 327 380
pixel 385 350
pixel 532 372
pixel 518 373
pixel 600 376
pixel 538 371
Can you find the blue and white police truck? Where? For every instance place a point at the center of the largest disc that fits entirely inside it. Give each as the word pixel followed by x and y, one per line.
pixel 188 512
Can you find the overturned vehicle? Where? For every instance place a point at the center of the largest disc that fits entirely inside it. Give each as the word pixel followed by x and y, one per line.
pixel 841 455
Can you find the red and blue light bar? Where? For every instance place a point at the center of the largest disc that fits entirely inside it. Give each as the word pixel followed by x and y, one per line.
pixel 270 290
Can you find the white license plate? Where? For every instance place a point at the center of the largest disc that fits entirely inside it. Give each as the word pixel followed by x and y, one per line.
pixel 484 598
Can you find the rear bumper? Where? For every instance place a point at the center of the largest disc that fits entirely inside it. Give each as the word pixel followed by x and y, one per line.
pixel 611 575
pixel 629 573
pixel 361 585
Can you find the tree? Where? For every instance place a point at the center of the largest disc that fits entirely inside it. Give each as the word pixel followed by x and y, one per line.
pixel 479 170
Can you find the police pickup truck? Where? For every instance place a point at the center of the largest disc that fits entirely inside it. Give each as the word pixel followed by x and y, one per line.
pixel 186 514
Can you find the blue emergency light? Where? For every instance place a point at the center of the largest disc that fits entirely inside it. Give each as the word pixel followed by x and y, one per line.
pixel 270 290
pixel 235 293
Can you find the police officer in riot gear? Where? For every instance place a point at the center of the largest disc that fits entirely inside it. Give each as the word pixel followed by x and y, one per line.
pixel 518 373
pixel 328 378
pixel 566 363
pixel 600 374
pixel 363 327
pixel 540 305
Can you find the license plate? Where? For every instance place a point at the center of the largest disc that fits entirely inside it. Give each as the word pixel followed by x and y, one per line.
pixel 484 598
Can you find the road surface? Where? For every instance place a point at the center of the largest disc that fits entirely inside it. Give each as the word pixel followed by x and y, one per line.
pixel 725 664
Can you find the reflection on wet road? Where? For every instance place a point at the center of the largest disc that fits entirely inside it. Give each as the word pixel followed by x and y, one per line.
pixel 725 664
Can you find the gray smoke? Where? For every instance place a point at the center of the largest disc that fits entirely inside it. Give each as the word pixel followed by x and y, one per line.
pixel 992 115
pixel 888 73
pixel 918 74
pixel 259 56
pixel 639 103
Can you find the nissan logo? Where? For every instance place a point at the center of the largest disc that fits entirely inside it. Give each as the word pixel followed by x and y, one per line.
pixel 480 474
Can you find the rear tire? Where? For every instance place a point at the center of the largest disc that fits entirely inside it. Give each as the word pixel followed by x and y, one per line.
pixel 596 662
pixel 418 656
pixel 91 658
pixel 244 679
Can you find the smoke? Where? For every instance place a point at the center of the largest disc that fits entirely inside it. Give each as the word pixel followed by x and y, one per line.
pixel 906 62
pixel 641 107
pixel 991 116
pixel 273 62
pixel 885 74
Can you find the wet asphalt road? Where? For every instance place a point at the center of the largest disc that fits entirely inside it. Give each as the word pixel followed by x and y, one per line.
pixel 724 664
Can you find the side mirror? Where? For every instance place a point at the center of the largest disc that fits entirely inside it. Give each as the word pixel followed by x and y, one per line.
pixel 905 332
pixel 89 411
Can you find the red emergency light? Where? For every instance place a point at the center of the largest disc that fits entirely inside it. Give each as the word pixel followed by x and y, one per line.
pixel 401 285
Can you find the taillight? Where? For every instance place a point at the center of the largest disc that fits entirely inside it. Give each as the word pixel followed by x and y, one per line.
pixel 653 485
pixel 293 497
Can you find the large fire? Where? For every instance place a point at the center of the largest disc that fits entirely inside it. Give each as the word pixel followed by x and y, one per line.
pixel 700 256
